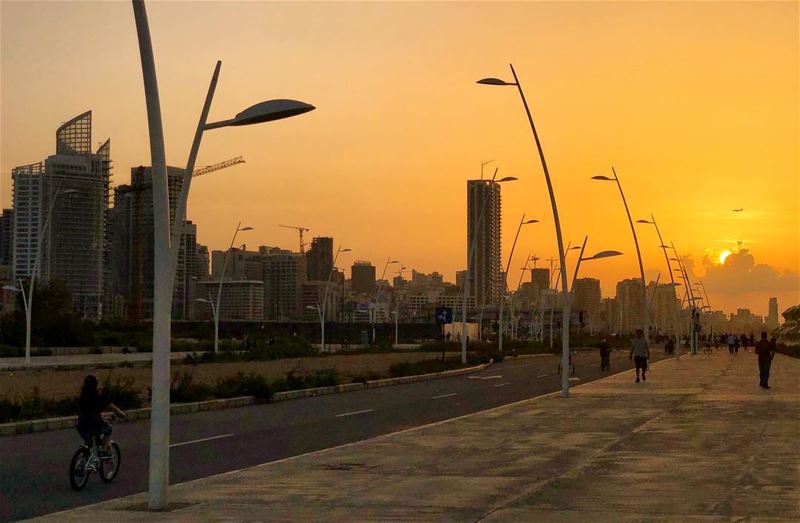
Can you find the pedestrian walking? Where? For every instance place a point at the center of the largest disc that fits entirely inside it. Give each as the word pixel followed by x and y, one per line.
pixel 731 343
pixel 669 347
pixel 766 352
pixel 605 355
pixel 640 352
pixel 736 343
pixel 745 342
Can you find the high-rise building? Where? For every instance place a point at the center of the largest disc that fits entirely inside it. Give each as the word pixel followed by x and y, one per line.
pixel 587 300
pixel 133 244
pixel 483 229
pixel 772 315
pixel 239 264
pixel 630 300
pixel 461 277
pixel 284 275
pixel 6 236
pixel 540 278
pixel 203 262
pixel 664 308
pixel 363 277
pixel 73 185
pixel 183 302
pixel 240 299
pixel 320 259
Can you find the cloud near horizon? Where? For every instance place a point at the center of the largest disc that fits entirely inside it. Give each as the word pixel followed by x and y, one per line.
pixel 742 282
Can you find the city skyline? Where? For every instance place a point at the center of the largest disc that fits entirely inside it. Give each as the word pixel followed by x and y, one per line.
pixel 382 137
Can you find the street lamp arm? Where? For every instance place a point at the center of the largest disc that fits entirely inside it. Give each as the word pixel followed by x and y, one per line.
pixel 183 198
pixel 578 265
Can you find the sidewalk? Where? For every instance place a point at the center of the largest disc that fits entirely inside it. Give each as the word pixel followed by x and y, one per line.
pixel 80 360
pixel 699 441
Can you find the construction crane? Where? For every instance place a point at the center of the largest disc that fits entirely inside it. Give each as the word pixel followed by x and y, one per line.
pixel 217 166
pixel 301 230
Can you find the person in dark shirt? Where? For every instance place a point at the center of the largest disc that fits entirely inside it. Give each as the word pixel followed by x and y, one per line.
pixel 91 405
pixel 605 355
pixel 766 352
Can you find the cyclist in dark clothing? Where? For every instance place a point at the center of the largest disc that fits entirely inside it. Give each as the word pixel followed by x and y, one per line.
pixel 91 404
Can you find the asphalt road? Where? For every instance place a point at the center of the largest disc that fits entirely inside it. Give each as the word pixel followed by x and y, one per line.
pixel 34 467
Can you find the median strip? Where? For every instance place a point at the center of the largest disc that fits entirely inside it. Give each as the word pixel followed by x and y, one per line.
pixel 200 440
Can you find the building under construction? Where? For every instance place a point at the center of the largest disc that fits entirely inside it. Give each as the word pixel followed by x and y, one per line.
pixel 73 186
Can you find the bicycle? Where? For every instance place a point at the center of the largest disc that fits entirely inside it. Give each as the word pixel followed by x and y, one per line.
pixel 87 460
pixel 571 364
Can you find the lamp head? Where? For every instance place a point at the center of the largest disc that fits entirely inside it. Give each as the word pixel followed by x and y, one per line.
pixel 603 178
pixel 604 254
pixel 530 221
pixel 506 179
pixel 245 229
pixel 644 221
pixel 270 110
pixel 494 81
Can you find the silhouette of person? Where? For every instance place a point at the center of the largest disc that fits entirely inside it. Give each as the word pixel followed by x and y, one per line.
pixel 766 352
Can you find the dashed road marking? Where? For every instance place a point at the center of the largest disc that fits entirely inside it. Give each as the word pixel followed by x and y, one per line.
pixel 502 384
pixel 201 440
pixel 354 413
pixel 444 396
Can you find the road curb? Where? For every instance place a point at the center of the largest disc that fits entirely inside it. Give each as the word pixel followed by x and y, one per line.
pixel 67 422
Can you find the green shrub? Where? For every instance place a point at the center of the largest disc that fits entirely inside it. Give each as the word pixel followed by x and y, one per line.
pixel 184 389
pixel 122 393
pixel 241 385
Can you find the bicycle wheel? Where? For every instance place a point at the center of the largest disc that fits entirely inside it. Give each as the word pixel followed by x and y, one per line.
pixel 78 475
pixel 109 467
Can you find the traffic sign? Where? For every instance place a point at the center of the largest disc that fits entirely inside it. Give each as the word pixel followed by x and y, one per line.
pixel 444 315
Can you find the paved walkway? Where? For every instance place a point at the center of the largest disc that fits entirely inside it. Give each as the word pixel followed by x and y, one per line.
pixel 699 441
pixel 80 360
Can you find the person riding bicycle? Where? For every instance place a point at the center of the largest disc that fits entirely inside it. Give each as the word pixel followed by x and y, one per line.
pixel 91 404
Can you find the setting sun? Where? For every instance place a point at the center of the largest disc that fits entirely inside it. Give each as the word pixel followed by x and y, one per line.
pixel 723 255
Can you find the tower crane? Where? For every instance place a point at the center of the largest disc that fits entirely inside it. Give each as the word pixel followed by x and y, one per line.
pixel 301 230
pixel 218 166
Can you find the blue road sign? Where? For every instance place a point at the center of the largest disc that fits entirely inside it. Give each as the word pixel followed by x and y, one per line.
pixel 444 315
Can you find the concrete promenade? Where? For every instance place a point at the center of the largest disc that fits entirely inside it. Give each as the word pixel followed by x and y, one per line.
pixel 699 441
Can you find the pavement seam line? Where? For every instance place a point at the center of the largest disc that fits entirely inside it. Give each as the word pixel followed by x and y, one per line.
pixel 582 465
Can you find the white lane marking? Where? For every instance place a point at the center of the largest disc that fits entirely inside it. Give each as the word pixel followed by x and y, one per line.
pixel 201 440
pixel 354 413
pixel 444 396
pixel 542 375
pixel 574 379
pixel 495 377
pixel 502 384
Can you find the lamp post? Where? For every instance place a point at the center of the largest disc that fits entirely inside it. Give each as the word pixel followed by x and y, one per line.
pixel 470 256
pixel 636 243
pixel 556 222
pixel 522 222
pixel 239 229
pixel 213 306
pixel 321 308
pixel 28 301
pixel 389 261
pixel 689 294
pixel 597 256
pixel 166 243
pixel 652 221
pixel 397 313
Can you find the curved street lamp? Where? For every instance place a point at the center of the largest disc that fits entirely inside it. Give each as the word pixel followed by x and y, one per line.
pixel 652 221
pixel 239 229
pixel 166 239
pixel 565 309
pixel 389 261
pixel 636 243
pixel 522 222
pixel 322 307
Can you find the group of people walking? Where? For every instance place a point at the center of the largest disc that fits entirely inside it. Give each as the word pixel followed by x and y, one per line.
pixel 640 352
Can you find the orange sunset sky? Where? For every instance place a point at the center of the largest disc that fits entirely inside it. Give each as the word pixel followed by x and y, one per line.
pixel 695 104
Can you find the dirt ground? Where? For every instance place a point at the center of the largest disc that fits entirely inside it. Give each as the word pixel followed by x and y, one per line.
pixel 57 384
